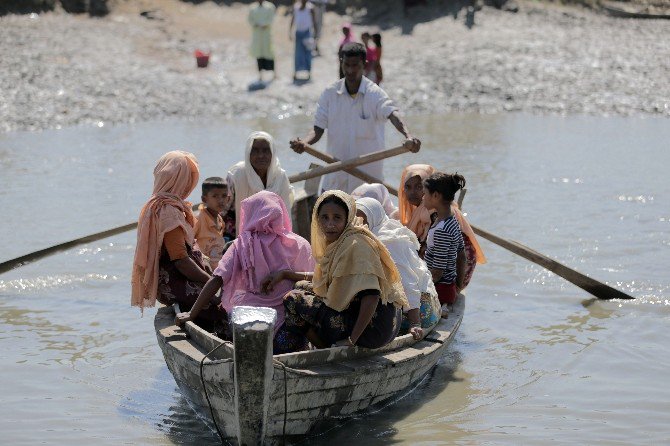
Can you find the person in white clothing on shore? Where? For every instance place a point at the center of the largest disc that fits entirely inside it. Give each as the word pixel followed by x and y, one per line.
pixel 354 110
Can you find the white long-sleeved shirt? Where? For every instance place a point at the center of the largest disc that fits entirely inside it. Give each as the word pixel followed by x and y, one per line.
pixel 355 127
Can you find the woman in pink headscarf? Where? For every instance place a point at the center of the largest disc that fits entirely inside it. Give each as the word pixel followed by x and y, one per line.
pixel 167 267
pixel 348 37
pixel 261 265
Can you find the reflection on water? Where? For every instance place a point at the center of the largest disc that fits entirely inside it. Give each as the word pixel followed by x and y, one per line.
pixel 536 360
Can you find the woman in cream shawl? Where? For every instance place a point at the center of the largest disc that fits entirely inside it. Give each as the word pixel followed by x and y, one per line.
pixel 356 296
pixel 167 267
pixel 413 214
pixel 424 309
pixel 259 171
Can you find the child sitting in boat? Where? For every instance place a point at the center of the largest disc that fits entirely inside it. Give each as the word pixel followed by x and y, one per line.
pixel 209 227
pixel 445 249
pixel 265 246
pixel 423 310
pixel 414 214
pixel 259 171
pixel 377 191
pixel 167 267
pixel 356 297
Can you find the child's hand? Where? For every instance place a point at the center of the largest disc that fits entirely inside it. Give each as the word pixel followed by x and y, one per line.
pixel 416 332
pixel 181 318
pixel 271 280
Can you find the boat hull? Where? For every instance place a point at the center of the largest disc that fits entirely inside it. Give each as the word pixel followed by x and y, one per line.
pixel 318 384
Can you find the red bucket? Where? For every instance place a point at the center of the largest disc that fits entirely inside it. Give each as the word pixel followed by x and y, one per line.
pixel 202 59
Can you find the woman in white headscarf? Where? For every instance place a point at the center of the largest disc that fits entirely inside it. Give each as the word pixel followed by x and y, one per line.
pixel 423 310
pixel 377 191
pixel 259 171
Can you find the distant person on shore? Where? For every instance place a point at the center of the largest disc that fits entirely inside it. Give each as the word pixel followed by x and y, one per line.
pixel 371 54
pixel 259 171
pixel 261 15
pixel 209 228
pixel 377 39
pixel 319 10
pixel 304 20
pixel 348 37
pixel 354 110
pixel 167 266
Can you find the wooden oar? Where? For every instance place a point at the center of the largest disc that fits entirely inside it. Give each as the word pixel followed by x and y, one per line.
pixel 353 171
pixel 592 286
pixel 339 165
pixel 344 165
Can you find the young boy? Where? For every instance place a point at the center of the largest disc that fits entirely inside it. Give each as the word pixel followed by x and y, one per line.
pixel 210 225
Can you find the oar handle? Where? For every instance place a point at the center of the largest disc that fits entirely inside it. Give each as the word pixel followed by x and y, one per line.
pixel 343 165
pixel 352 171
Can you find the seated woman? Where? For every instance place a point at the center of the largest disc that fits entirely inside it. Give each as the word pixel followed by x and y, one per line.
pixel 259 171
pixel 264 245
pixel 414 214
pixel 166 267
pixel 424 309
pixel 356 296
pixel 377 191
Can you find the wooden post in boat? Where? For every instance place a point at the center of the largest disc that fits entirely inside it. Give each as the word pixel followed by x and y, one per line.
pixel 253 331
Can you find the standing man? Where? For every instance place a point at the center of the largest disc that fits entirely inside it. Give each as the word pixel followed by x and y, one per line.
pixel 261 15
pixel 354 110
pixel 319 10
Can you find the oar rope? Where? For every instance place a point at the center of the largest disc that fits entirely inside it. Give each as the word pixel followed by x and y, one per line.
pixel 592 286
pixel 312 173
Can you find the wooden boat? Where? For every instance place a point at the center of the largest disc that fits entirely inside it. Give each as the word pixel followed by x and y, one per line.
pixel 257 398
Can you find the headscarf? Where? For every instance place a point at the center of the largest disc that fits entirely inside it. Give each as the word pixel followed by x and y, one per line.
pixel 349 37
pixel 356 261
pixel 377 191
pixel 264 244
pixel 403 247
pixel 175 176
pixel 246 181
pixel 416 218
pixel 467 230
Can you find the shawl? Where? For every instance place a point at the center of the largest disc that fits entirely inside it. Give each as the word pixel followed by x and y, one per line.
pixel 416 218
pixel 403 246
pixel 175 176
pixel 349 37
pixel 356 261
pixel 246 181
pixel 377 191
pixel 264 244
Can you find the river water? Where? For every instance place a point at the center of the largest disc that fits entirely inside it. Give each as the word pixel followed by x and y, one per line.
pixel 536 361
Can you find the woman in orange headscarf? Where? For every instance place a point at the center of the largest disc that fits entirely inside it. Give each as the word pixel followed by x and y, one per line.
pixel 413 214
pixel 167 267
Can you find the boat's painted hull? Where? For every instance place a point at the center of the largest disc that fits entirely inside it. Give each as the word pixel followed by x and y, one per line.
pixel 319 384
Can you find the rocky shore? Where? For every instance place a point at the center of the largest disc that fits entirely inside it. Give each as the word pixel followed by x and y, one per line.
pixel 137 64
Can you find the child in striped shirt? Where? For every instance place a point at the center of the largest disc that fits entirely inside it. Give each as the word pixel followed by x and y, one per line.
pixel 445 251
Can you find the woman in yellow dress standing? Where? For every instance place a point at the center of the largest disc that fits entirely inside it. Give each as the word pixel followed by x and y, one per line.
pixel 261 15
